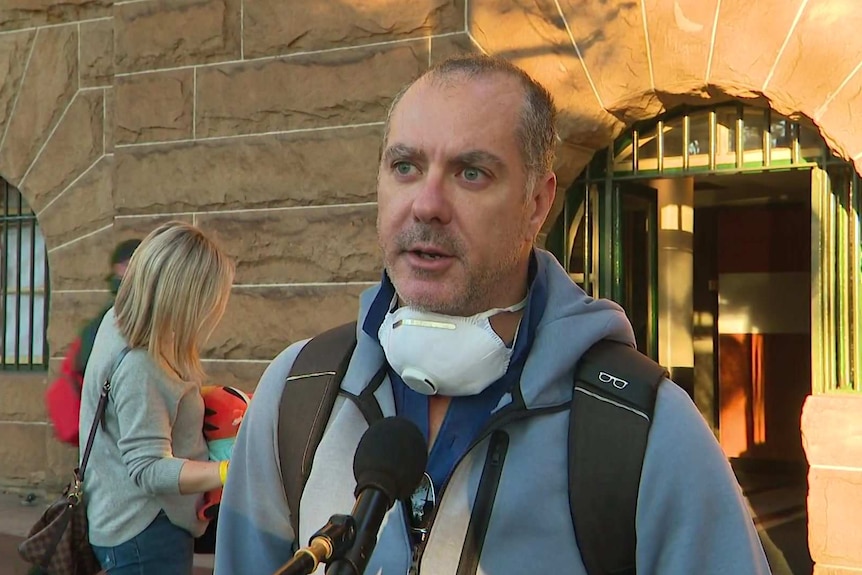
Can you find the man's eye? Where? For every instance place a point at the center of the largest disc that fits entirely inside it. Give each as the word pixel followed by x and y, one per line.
pixel 472 174
pixel 403 168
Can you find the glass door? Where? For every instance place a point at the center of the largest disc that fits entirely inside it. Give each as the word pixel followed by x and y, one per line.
pixel 635 260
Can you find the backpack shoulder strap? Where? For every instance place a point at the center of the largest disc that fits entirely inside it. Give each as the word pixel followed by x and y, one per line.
pixel 612 406
pixel 306 402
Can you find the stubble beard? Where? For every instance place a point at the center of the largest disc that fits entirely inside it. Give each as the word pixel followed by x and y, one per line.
pixel 477 284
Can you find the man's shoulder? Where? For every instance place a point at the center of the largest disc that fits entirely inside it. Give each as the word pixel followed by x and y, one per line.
pixel 677 425
pixel 271 384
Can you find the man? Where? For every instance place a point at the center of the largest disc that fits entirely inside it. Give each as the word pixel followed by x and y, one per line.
pixel 119 262
pixel 63 396
pixel 465 183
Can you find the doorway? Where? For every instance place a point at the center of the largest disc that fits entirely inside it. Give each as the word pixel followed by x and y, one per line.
pixel 731 235
pixel 751 302
pixel 739 267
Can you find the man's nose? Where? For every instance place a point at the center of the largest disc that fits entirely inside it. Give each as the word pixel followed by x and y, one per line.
pixel 432 202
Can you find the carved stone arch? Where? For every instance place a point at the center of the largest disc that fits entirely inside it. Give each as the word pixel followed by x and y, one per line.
pixel 610 64
pixel 55 150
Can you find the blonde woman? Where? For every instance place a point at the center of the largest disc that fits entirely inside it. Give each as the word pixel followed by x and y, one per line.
pixel 148 466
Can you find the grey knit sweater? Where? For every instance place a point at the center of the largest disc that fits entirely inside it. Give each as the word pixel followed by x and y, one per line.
pixel 153 424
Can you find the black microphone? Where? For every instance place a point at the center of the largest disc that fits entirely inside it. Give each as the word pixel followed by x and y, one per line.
pixel 388 465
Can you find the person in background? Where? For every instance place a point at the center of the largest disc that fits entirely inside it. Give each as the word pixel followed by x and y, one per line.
pixel 63 395
pixel 149 464
pixel 119 262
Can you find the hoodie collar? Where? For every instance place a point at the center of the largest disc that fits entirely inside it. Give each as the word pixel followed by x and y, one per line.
pixel 533 310
pixel 562 323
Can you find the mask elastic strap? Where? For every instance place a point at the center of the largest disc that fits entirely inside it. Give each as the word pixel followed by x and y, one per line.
pixel 494 311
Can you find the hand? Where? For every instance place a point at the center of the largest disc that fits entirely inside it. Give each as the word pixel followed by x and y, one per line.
pixel 210 505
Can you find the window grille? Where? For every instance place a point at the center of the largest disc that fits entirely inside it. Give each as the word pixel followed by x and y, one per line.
pixel 24 285
pixel 730 139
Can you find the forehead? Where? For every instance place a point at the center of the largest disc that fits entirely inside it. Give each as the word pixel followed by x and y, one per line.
pixel 453 114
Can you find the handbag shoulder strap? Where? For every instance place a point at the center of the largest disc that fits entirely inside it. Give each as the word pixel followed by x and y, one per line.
pixel 100 413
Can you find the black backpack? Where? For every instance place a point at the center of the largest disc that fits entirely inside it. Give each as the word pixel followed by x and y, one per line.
pixel 615 390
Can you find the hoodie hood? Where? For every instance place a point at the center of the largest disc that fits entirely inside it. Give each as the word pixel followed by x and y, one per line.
pixel 569 324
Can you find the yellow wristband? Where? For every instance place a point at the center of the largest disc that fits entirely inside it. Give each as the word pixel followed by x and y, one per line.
pixel 222 470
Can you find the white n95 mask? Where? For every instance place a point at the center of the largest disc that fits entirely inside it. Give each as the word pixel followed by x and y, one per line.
pixel 450 355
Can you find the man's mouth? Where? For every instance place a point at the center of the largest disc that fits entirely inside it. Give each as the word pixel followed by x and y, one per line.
pixel 428 255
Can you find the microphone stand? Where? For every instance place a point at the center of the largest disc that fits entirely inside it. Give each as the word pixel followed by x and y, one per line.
pixel 369 513
pixel 331 542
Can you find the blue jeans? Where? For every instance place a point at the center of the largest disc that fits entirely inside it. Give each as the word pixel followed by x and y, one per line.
pixel 160 549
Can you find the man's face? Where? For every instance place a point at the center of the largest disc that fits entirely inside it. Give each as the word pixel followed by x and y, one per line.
pixel 454 222
pixel 120 269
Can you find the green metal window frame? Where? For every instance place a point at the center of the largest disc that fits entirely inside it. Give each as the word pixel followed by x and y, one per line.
pixel 24 344
pixel 836 318
pixel 836 206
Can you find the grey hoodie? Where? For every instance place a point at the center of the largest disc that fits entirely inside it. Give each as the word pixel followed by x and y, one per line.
pixel 691 516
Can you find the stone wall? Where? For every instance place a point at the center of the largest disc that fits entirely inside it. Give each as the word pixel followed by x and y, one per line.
pixel 55 146
pixel 259 120
pixel 832 438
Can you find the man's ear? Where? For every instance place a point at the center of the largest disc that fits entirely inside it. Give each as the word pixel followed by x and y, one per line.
pixel 540 203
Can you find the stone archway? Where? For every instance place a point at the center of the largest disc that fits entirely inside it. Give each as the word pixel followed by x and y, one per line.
pixel 610 64
pixel 56 149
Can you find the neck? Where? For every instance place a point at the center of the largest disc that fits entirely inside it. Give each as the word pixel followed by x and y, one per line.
pixel 506 325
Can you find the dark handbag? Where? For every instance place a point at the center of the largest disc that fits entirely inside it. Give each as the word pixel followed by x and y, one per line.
pixel 58 543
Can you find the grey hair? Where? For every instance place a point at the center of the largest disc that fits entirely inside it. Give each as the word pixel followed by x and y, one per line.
pixel 536 132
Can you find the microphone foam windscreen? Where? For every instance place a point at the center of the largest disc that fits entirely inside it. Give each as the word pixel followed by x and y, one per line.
pixel 391 456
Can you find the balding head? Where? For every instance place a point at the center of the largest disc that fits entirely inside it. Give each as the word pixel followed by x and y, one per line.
pixel 536 132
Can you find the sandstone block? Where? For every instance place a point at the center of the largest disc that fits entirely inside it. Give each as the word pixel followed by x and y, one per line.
pixel 822 416
pixel 747 63
pixel 73 148
pixel 21 395
pixel 514 29
pixel 260 322
pixel 680 33
pixel 128 227
pixel 151 35
pixel 833 570
pixel 608 32
pixel 305 92
pixel 85 207
pixel 70 312
pixel 154 107
pixel 50 84
pixel 443 47
pixel 82 265
pixel 273 27
pixel 244 375
pixel 314 168
pixel 61 459
pixel 23 453
pixel 16 14
pixel 803 79
pixel 110 120
pixel 97 53
pixel 834 508
pixel 839 120
pixel 308 245
pixel 14 49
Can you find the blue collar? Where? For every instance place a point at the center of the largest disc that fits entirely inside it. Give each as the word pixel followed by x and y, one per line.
pixel 467 415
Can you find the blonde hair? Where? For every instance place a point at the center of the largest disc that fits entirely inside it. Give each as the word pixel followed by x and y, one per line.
pixel 173 295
